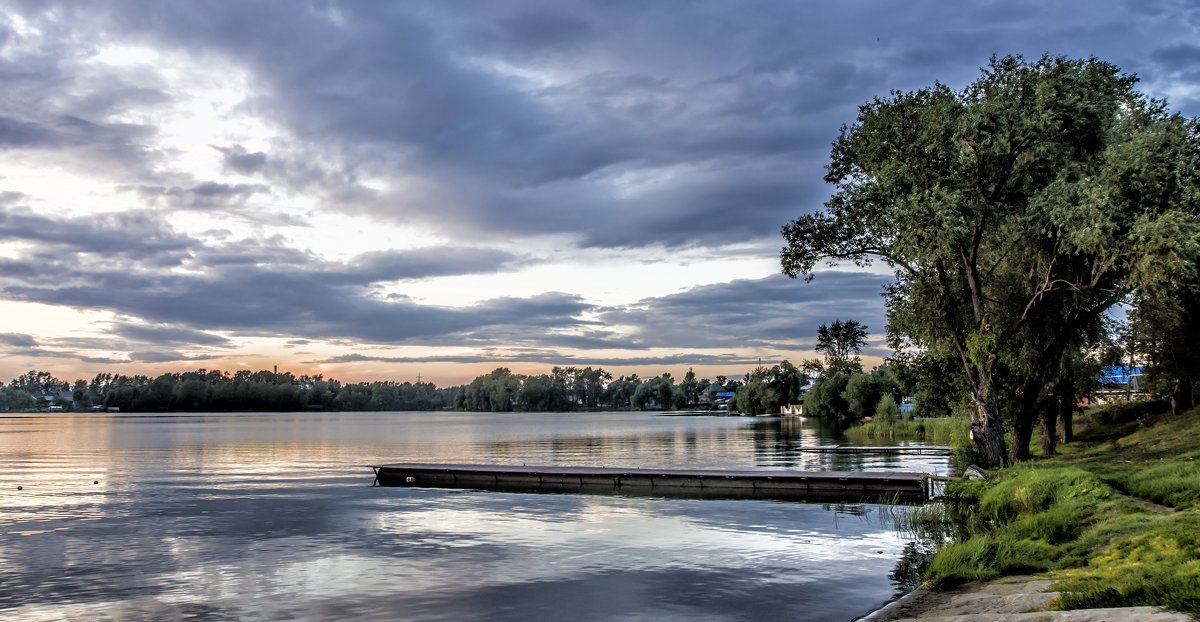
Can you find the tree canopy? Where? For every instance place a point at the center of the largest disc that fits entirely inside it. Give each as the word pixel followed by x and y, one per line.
pixel 838 341
pixel 1013 213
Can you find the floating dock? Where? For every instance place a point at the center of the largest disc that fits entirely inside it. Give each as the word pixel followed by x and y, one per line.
pixel 826 486
pixel 913 450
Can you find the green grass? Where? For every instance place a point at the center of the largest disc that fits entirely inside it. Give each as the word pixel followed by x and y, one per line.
pixel 982 559
pixel 1155 565
pixel 939 430
pixel 1115 519
pixel 1172 483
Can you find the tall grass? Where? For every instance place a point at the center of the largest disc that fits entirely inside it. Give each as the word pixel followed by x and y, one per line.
pixel 938 430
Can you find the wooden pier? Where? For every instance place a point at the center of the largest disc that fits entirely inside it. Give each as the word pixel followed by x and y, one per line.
pixel 913 450
pixel 827 486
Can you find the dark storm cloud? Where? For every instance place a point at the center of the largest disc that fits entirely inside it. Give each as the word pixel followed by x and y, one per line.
pixel 524 117
pixel 19 345
pixel 168 336
pixel 621 125
pixel 252 287
pixel 773 312
pixel 17 133
pixel 420 263
pixel 274 302
pixel 106 148
pixel 1178 56
pixel 17 340
pixel 202 196
pixel 550 357
pixel 9 198
pixel 282 301
pixel 141 236
pixel 238 160
pixel 165 356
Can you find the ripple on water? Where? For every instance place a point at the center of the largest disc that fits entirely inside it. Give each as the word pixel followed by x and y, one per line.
pixel 273 516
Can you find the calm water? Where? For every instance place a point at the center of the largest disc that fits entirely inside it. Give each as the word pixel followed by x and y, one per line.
pixel 273 517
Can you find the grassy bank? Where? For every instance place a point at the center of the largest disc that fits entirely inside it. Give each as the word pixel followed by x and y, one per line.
pixel 1115 519
pixel 939 430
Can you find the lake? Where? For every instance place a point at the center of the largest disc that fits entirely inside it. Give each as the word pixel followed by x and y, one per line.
pixel 273 517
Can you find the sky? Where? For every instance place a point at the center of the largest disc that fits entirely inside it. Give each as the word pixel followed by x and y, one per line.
pixel 404 190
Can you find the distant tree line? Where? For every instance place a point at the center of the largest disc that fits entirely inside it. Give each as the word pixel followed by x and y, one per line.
pixel 214 390
pixel 563 389
pixel 588 388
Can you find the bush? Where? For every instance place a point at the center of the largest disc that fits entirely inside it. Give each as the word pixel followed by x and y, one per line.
pixel 864 390
pixel 887 412
pixel 825 399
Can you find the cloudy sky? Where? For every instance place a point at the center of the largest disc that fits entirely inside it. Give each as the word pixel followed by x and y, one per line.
pixel 377 190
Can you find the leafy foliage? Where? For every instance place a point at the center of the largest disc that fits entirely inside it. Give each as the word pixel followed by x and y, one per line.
pixel 766 389
pixel 865 390
pixel 838 342
pixel 826 399
pixel 1014 213
pixel 1165 329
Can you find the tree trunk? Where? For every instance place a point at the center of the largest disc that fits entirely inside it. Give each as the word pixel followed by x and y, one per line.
pixel 1022 433
pixel 1049 426
pixel 987 431
pixel 1066 408
pixel 1066 428
pixel 1036 404
pixel 1182 398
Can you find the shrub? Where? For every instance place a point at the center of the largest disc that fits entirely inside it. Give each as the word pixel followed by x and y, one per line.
pixel 887 412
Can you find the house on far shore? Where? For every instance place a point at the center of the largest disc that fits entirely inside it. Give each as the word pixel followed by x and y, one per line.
pixel 57 399
pixel 715 395
pixel 1117 383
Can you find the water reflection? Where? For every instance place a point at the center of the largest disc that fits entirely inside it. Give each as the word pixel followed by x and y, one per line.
pixel 272 516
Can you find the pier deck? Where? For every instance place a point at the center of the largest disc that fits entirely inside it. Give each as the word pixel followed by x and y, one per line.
pixel 905 450
pixel 847 486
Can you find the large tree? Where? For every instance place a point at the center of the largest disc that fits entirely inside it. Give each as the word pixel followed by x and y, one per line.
pixel 1014 213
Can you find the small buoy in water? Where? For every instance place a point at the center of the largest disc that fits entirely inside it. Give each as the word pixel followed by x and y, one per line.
pixel 410 479
pixel 95 481
pixel 20 488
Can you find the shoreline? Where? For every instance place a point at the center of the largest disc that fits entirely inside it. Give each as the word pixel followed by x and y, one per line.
pixel 1018 598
